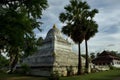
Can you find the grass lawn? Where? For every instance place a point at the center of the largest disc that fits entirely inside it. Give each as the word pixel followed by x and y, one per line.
pixel 4 76
pixel 106 75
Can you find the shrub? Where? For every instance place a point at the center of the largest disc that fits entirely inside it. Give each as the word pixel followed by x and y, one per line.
pixel 25 68
pixel 54 76
pixel 114 68
pixel 93 70
pixel 70 71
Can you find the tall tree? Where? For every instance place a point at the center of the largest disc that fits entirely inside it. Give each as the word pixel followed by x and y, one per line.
pixel 74 17
pixel 18 20
pixel 90 29
pixel 92 55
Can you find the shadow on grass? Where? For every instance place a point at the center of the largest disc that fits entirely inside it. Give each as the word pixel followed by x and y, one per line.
pixel 5 76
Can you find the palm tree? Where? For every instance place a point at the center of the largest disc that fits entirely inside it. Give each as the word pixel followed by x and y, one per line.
pixel 74 19
pixel 91 29
pixel 89 34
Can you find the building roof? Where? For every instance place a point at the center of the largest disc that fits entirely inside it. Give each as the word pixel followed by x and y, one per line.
pixel 105 56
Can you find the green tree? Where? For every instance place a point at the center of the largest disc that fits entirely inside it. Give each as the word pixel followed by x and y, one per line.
pixel 3 61
pixel 74 17
pixel 31 45
pixel 18 20
pixel 39 41
pixel 90 29
pixel 33 8
pixel 92 55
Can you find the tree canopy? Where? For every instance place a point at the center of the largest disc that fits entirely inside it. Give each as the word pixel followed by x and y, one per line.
pixel 75 17
pixel 18 20
pixel 80 25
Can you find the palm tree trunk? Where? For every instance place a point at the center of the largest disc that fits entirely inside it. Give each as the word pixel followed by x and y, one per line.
pixel 79 60
pixel 86 63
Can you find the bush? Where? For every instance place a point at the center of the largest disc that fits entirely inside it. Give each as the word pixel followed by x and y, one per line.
pixel 3 62
pixel 114 68
pixel 25 68
pixel 54 76
pixel 70 71
pixel 93 70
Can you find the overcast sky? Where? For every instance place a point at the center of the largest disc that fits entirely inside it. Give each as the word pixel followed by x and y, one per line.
pixel 108 19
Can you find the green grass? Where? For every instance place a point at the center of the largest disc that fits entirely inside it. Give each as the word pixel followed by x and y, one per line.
pixel 4 76
pixel 106 75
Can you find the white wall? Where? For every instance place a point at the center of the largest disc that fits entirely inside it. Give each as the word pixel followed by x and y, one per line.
pixel 116 63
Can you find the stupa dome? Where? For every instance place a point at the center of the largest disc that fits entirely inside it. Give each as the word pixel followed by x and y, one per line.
pixel 54 32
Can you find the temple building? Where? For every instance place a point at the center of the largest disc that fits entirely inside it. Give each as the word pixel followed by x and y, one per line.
pixel 55 54
pixel 105 60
